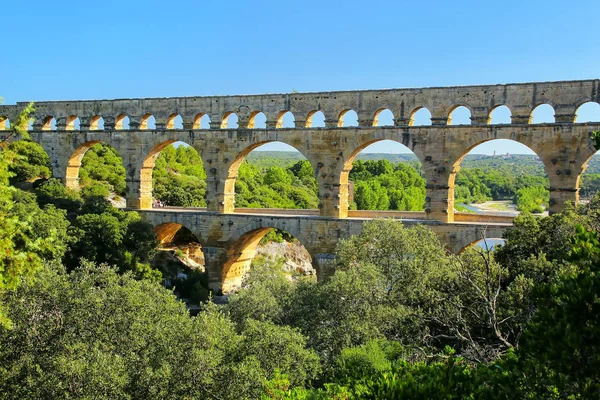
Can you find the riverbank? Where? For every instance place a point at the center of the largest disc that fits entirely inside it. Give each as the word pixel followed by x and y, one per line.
pixel 503 207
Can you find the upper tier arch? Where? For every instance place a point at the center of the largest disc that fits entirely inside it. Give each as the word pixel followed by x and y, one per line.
pixel 522 98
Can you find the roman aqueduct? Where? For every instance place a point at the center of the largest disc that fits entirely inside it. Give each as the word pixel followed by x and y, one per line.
pixel 67 129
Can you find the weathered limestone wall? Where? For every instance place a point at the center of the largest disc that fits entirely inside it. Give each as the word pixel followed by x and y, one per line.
pixel 563 148
pixel 521 99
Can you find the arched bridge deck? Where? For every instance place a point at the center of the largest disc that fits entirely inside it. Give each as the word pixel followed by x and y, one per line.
pixel 230 238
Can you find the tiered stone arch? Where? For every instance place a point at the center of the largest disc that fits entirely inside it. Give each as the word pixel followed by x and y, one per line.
pixel 243 249
pixel 198 120
pixel 49 123
pixel 72 123
pixel 377 118
pixel 347 117
pixel 96 123
pixel 4 123
pixel 315 119
pixel 228 199
pixel 141 176
pixel 230 119
pixel 166 231
pixel 456 117
pixel 285 119
pixel 257 120
pixel 562 165
pixel 494 117
pixel 415 115
pixel 544 108
pixel 73 166
pixel 148 121
pixel 593 111
pixel 355 147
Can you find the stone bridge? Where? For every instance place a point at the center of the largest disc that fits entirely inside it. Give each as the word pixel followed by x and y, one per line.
pixel 67 129
pixel 229 240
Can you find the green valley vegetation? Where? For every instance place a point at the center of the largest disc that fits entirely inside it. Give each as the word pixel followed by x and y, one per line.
pixel 102 166
pixel 381 185
pixel 293 186
pixel 274 179
pixel 84 315
pixel 178 178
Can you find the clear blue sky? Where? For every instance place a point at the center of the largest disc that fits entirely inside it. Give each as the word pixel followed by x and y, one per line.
pixel 56 50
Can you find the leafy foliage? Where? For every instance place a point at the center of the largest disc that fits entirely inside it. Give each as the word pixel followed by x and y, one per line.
pixel 97 334
pixel 276 187
pixel 532 199
pixel 19 256
pixel 31 162
pixel 179 178
pixel 102 165
pixel 380 185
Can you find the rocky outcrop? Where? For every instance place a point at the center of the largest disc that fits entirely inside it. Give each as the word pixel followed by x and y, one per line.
pixel 296 258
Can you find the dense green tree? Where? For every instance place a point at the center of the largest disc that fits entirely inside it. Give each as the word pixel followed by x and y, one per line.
pixel 18 256
pixel 179 178
pixel 532 199
pixel 266 294
pixel 54 192
pixel 561 349
pixel 47 231
pixel 94 333
pixel 31 163
pixel 276 187
pixel 113 236
pixel 380 185
pixel 102 165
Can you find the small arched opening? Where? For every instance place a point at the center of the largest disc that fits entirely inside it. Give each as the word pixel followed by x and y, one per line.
pixel 97 123
pixel 285 120
pixel 259 246
pixel 383 117
pixel 122 122
pixel 588 112
pixel 500 115
pixel 175 122
pixel 147 122
pixel 272 175
pixel 230 121
pixel 499 178
pixel 420 117
pixel 588 181
pixel 487 244
pixel 383 175
pixel 315 119
pixel 258 120
pixel 348 118
pixel 172 175
pixel 49 123
pixel 73 123
pixel 180 258
pixel 201 121
pixel 542 114
pixel 461 115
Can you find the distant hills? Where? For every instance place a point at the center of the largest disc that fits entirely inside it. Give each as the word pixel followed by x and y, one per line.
pixel 285 158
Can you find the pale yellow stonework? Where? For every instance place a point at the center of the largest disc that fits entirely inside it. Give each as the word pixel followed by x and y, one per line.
pixel 564 147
